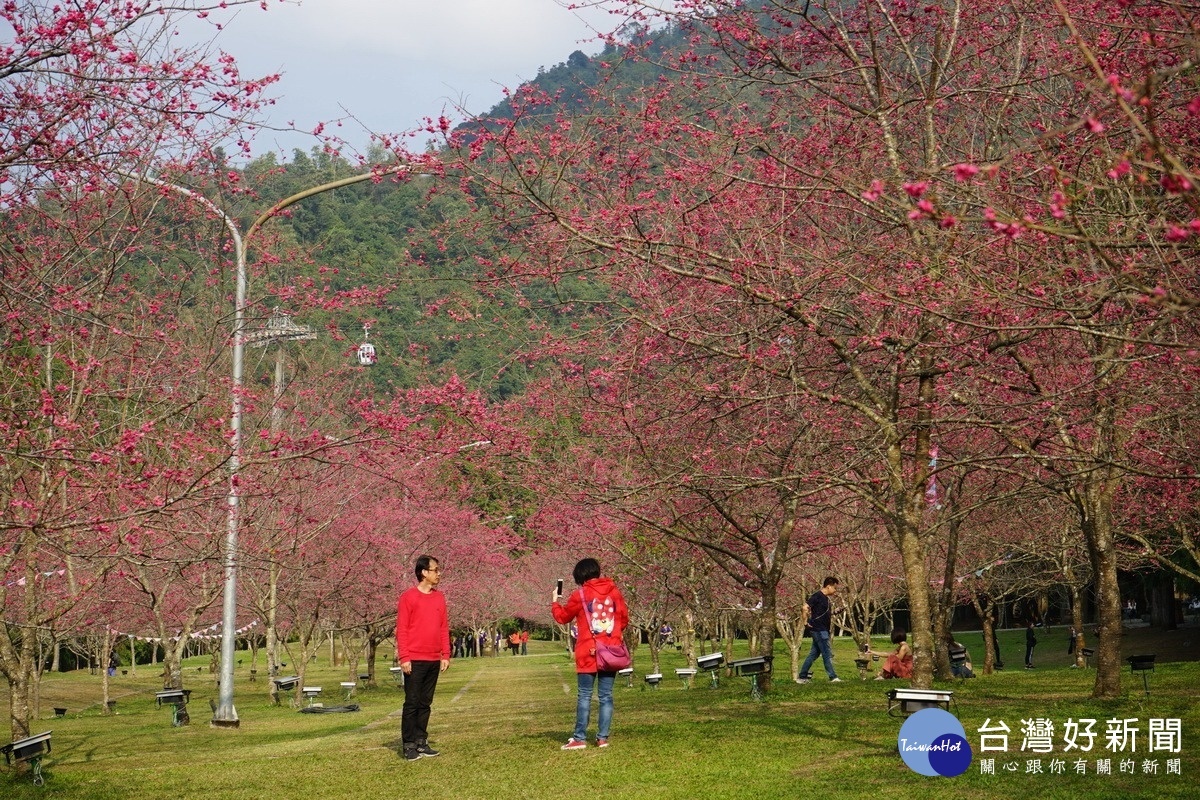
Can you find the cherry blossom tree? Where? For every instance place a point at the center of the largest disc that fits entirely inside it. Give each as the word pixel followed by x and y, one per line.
pixel 867 209
pixel 93 413
pixel 677 457
pixel 175 572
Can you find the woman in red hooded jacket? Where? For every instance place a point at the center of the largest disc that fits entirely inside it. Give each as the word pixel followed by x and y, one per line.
pixel 599 611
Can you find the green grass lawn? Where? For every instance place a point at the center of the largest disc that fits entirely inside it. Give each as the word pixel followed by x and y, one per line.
pixel 499 723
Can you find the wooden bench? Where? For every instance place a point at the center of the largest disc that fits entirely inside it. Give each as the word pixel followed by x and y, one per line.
pixel 30 749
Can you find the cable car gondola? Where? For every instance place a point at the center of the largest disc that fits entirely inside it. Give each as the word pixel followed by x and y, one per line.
pixel 366 350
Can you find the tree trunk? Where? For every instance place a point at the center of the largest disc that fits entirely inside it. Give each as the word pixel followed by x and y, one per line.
pixel 916 579
pixel 792 632
pixel 1097 530
pixel 173 663
pixel 653 643
pixel 20 667
pixel 17 651
pixel 272 634
pixel 105 656
pixel 989 645
pixel 39 669
pixel 764 634
pixel 1077 624
pixel 18 698
pixel 689 637
pixel 910 500
pixel 1162 602
pixel 372 652
pixel 942 619
pixel 352 653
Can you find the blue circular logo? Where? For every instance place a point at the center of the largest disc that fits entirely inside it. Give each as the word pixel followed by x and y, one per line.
pixel 933 742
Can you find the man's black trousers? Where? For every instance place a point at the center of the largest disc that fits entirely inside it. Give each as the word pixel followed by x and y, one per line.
pixel 419 686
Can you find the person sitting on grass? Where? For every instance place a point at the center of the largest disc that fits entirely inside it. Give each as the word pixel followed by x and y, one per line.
pixel 960 659
pixel 899 662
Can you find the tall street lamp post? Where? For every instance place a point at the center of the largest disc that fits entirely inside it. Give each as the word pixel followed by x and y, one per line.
pixel 225 715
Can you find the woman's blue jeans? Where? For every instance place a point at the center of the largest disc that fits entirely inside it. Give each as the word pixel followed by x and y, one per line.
pixel 583 710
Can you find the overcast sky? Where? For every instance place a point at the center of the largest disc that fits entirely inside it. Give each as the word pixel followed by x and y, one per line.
pixel 391 63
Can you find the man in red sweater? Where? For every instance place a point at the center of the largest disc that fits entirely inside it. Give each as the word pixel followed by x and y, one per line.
pixel 423 650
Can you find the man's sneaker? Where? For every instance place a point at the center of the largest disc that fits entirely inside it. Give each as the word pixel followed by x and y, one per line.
pixel 602 743
pixel 803 680
pixel 425 751
pixel 574 744
pixel 410 752
pixel 835 680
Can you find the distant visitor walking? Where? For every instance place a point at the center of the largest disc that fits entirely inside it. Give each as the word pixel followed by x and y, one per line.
pixel 1030 643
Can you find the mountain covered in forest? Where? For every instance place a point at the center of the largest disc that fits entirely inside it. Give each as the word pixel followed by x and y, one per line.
pixel 441 319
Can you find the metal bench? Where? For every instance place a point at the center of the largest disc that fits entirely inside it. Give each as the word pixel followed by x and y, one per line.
pixel 753 667
pixel 653 679
pixel 1143 664
pixel 863 662
pixel 311 692
pixel 685 675
pixel 284 684
pixel 628 674
pixel 397 676
pixel 908 701
pixel 30 749
pixel 348 688
pixel 178 700
pixel 710 664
